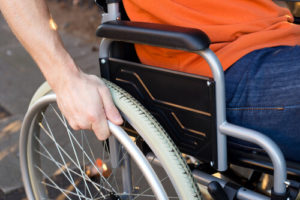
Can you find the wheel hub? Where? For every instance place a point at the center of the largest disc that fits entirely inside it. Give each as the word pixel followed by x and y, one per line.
pixel 112 196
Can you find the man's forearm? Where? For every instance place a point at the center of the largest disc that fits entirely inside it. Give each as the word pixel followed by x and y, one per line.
pixel 32 24
pixel 83 99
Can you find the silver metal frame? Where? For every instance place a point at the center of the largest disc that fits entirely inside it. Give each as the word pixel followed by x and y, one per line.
pixel 204 179
pixel 242 193
pixel 116 156
pixel 218 76
pixel 224 128
pixel 112 13
pixel 267 144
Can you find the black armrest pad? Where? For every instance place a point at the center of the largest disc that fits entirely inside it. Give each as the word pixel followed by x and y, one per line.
pixel 174 37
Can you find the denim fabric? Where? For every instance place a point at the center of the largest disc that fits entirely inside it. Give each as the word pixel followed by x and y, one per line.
pixel 263 93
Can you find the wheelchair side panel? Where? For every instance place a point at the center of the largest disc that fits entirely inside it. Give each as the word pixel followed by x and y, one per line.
pixel 182 103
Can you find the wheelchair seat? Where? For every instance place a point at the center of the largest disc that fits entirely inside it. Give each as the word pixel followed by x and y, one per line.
pixel 186 106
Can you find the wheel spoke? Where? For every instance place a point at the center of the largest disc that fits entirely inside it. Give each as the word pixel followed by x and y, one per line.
pixel 162 180
pixel 83 164
pixel 87 142
pixel 71 179
pixel 75 153
pixel 69 157
pixel 83 134
pixel 61 189
pixel 141 178
pixel 114 170
pixel 74 172
pixel 58 165
pixel 123 157
pixel 53 182
pixel 67 128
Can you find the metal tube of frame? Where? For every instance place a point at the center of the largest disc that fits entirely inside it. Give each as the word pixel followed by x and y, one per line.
pixel 104 47
pixel 268 145
pixel 112 8
pixel 218 76
pixel 114 148
pixel 242 193
pixel 113 12
pixel 127 175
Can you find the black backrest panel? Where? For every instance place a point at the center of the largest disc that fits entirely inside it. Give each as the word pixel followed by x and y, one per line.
pixel 182 103
pixel 124 51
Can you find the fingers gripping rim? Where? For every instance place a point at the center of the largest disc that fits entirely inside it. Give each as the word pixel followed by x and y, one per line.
pixel 155 136
pixel 158 140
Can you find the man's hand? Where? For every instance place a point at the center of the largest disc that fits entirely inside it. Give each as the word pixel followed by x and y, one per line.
pixel 87 104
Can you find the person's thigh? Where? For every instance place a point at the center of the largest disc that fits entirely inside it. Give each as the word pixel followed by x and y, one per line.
pixel 263 93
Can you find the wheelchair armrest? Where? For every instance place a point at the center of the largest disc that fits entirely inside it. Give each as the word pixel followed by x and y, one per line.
pixel 173 37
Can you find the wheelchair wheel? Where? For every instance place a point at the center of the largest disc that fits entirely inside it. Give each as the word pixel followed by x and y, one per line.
pixel 60 163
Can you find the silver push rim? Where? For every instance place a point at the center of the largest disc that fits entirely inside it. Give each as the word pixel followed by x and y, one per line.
pixel 119 133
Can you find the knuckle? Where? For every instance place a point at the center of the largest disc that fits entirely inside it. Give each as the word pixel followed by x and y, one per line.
pixel 103 135
pixel 74 125
pixel 92 117
pixel 83 123
pixel 104 89
pixel 85 126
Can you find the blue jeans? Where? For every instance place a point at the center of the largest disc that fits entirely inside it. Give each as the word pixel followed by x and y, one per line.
pixel 263 93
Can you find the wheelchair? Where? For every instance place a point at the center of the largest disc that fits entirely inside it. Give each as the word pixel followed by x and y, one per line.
pixel 173 140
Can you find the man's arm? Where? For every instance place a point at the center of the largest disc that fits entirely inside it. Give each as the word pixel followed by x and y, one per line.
pixel 83 99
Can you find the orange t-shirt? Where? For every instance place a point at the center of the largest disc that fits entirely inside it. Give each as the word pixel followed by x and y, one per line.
pixel 235 28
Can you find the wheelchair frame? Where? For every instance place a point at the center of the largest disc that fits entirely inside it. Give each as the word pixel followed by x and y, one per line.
pixel 224 128
pixel 153 136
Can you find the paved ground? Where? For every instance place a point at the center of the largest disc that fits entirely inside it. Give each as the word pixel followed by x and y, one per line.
pixel 19 78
